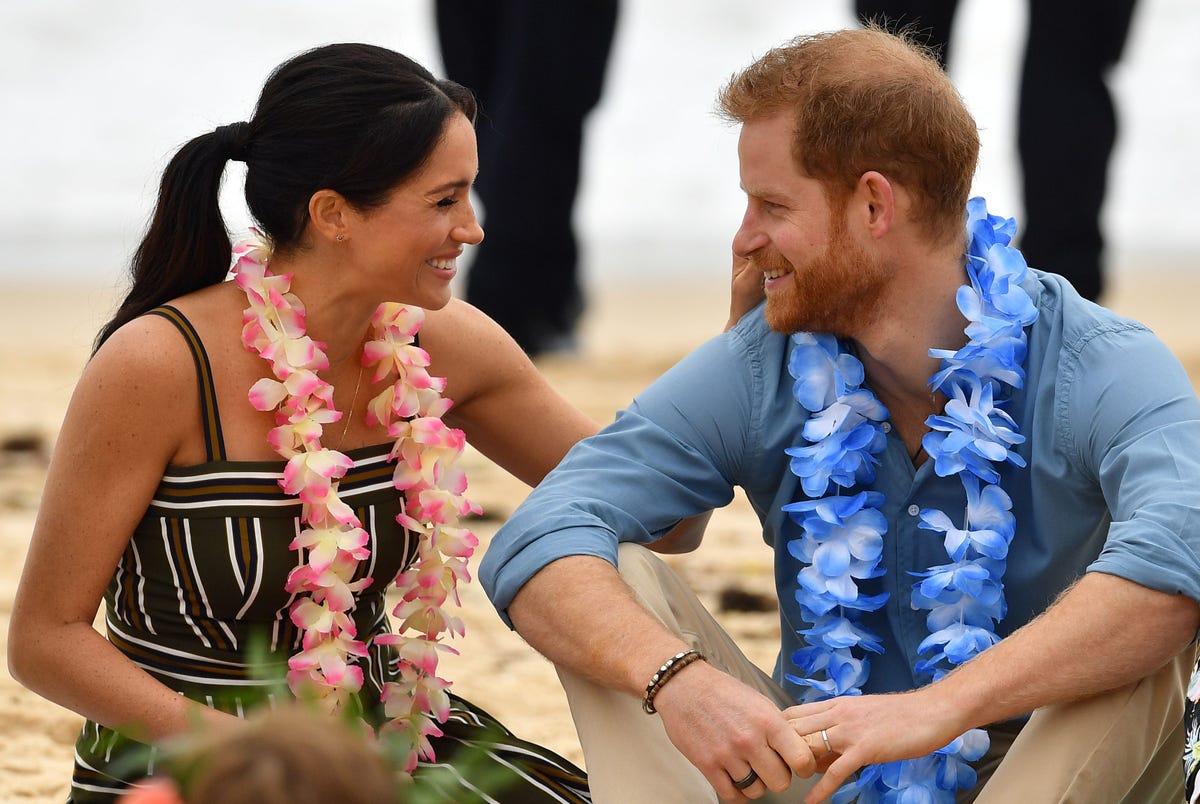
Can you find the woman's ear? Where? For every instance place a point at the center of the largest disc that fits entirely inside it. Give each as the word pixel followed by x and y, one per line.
pixel 330 214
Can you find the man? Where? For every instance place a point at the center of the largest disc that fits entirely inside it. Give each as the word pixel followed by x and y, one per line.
pixel 1081 491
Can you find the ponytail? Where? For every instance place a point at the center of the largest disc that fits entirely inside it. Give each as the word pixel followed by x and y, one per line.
pixel 186 246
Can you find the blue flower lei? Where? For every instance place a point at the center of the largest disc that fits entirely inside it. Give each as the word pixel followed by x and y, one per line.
pixel 841 537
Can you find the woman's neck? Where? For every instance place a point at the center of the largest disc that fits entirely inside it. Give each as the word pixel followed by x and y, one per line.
pixel 336 312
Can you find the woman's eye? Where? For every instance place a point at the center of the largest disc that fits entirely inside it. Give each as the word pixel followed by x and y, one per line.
pixel 447 202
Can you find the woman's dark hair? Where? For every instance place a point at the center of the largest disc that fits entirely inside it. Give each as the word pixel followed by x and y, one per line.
pixel 352 118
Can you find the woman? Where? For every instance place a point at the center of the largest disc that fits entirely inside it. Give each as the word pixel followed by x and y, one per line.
pixel 213 525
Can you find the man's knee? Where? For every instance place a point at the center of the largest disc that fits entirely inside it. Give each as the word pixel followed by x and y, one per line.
pixel 648 577
pixel 634 559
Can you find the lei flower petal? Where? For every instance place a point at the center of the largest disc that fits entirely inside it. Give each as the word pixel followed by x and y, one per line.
pixel 821 373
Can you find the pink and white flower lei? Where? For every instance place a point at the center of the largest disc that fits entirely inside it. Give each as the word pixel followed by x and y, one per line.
pixel 332 542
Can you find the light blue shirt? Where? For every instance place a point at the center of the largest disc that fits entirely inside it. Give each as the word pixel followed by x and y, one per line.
pixel 1112 485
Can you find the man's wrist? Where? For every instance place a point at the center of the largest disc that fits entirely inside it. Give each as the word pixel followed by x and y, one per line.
pixel 955 698
pixel 665 673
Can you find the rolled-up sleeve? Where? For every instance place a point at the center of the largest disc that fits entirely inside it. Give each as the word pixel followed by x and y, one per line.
pixel 673 453
pixel 1136 421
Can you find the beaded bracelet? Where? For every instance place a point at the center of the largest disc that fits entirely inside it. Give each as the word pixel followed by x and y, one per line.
pixel 670 667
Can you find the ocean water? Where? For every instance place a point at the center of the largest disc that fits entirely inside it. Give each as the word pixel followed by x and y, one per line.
pixel 96 96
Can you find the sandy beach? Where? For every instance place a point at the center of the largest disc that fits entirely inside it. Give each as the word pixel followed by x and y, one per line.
pixel 632 333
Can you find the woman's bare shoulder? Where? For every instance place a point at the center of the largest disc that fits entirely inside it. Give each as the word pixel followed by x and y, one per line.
pixel 470 349
pixel 457 316
pixel 149 346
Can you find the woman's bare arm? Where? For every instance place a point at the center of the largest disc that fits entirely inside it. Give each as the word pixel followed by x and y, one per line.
pixel 125 421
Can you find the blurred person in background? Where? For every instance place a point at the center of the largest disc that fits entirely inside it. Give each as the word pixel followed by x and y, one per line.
pixel 1066 119
pixel 537 70
pixel 292 754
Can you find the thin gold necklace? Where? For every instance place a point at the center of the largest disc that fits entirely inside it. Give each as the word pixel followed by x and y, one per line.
pixel 349 415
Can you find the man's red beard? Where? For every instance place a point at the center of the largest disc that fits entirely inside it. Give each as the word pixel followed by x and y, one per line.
pixel 838 291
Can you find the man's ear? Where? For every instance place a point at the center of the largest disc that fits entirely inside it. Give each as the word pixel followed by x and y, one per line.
pixel 330 214
pixel 875 203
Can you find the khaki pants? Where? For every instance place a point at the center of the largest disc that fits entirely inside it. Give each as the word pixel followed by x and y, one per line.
pixel 1122 746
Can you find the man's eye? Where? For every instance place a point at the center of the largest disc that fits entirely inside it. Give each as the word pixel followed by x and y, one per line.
pixel 447 202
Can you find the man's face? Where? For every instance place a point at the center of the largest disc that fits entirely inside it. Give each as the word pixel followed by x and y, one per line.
pixel 816 276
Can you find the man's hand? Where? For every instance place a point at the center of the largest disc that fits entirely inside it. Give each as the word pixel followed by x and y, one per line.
pixel 1082 645
pixel 869 729
pixel 726 729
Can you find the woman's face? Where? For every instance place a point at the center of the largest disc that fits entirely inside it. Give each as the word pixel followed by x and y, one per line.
pixel 410 244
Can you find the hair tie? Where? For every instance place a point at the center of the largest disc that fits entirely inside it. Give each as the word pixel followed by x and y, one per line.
pixel 232 140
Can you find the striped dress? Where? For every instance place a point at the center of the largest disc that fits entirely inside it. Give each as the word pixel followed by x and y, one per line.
pixel 198 602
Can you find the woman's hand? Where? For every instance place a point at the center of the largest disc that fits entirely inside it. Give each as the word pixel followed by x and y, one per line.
pixel 745 291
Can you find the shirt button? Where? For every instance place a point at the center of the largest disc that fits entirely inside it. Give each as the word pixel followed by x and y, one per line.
pixel 914 509
pixel 886 427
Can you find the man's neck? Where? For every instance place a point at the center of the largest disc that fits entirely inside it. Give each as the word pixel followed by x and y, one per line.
pixel 920 314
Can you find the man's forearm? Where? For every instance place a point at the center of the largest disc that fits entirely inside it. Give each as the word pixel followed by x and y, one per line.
pixel 1102 633
pixel 579 614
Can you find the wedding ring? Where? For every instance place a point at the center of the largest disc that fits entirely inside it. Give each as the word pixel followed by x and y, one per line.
pixel 742 784
pixel 825 737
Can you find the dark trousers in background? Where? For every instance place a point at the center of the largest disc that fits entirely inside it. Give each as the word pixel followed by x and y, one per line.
pixel 537 69
pixel 1066 123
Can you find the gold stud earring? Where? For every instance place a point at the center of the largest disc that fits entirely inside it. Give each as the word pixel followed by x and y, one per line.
pixel 340 237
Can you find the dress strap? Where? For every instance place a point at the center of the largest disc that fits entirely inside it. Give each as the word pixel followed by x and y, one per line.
pixel 214 442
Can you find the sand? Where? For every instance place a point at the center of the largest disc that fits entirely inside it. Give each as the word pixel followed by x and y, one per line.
pixel 633 332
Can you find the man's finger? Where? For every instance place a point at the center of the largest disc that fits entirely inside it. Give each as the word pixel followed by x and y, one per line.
pixel 835 776
pixel 795 752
